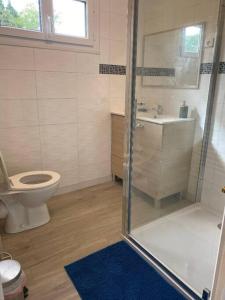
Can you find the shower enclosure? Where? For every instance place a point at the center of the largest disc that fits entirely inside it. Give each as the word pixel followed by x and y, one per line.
pixel 172 90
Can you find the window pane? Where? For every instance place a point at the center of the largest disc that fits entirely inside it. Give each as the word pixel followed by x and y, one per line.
pixel 23 14
pixel 192 39
pixel 70 17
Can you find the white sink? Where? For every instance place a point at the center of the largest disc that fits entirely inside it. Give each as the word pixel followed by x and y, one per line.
pixel 162 119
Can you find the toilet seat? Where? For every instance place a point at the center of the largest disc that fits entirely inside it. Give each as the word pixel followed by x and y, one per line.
pixel 33 180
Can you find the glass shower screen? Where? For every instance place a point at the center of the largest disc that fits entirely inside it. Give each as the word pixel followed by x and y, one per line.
pixel 175 46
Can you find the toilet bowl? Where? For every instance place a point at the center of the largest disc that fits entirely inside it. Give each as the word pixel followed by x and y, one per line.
pixel 25 196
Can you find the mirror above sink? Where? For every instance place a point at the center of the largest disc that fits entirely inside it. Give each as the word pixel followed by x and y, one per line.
pixel 173 58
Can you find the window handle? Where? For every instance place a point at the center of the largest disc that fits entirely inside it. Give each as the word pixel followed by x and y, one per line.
pixel 50 25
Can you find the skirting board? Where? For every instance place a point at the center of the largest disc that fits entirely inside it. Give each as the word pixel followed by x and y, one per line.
pixel 82 185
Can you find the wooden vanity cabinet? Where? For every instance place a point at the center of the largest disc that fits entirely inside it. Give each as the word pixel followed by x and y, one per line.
pixel 162 157
pixel 117 148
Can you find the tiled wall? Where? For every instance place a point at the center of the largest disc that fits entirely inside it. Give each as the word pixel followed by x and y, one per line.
pixel 55 106
pixel 214 178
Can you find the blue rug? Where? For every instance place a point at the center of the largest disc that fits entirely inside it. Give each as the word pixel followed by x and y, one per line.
pixel 119 273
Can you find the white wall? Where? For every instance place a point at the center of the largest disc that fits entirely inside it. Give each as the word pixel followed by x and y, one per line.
pixel 214 178
pixel 55 106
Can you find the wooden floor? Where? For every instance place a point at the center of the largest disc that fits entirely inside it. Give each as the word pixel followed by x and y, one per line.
pixel 81 223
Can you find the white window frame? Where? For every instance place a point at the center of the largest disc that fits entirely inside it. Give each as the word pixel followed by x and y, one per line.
pixel 48 35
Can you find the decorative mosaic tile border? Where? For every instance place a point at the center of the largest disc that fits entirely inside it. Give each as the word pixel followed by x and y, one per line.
pixel 205 68
pixel 222 68
pixel 170 72
pixel 112 69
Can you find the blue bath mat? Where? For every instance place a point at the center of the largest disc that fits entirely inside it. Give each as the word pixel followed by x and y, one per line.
pixel 119 273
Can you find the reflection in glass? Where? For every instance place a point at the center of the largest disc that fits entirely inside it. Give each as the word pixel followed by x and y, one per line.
pixel 192 36
pixel 173 58
pixel 167 216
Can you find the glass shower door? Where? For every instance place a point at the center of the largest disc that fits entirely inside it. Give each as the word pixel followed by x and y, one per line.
pixel 174 43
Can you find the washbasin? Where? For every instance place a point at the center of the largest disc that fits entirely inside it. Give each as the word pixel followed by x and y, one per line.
pixel 163 119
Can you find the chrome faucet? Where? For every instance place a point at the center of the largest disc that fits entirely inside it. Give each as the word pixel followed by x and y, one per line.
pixel 141 107
pixel 158 109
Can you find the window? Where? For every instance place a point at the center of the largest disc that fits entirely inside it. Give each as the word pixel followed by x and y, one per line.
pixel 192 41
pixel 65 21
pixel 20 14
pixel 70 19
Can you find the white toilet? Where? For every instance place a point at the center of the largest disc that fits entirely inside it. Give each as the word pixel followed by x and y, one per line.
pixel 24 196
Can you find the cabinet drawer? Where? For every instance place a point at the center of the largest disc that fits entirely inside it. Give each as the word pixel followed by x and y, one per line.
pixel 117 166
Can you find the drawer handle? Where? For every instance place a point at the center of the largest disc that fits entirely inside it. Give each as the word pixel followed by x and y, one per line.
pixel 139 125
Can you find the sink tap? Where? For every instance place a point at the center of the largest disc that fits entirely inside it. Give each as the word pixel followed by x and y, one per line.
pixel 141 107
pixel 158 109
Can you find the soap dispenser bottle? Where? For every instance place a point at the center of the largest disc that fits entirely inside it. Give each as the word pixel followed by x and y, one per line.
pixel 183 111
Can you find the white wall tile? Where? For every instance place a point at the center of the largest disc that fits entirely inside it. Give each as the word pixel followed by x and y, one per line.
pixel 215 164
pixel 59 146
pixel 55 107
pixel 54 60
pixel 69 177
pixel 104 5
pixel 57 111
pixel 94 171
pixel 117 105
pixel 92 110
pixel 16 58
pixel 17 84
pixel 92 86
pixel 117 86
pixel 94 142
pixel 105 25
pixel 104 51
pixel 119 6
pixel 16 113
pixel 21 149
pixel 56 85
pixel 118 51
pixel 87 63
pixel 118 27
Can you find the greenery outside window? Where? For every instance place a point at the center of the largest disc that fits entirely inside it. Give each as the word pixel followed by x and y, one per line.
pixel 67 21
pixel 192 41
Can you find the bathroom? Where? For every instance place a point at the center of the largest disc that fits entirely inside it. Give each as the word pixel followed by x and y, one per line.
pixel 118 106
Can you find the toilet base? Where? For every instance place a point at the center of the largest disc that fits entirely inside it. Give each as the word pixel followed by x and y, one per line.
pixel 22 218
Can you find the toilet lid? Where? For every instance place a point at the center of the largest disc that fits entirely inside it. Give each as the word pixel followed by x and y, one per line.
pixel 33 180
